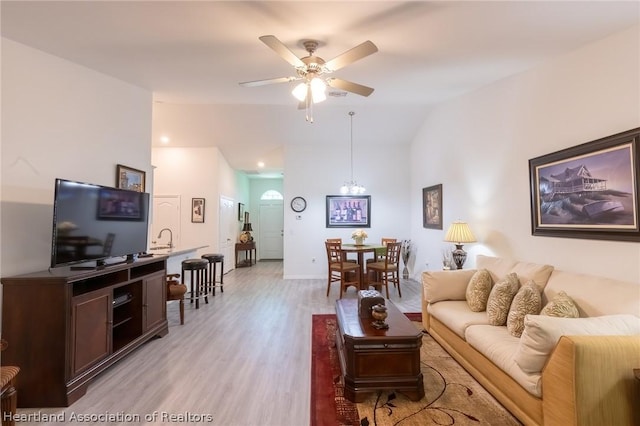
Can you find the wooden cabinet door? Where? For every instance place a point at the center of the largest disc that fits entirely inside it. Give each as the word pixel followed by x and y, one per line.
pixel 91 329
pixel 155 300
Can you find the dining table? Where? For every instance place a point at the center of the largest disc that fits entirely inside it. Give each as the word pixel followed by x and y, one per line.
pixel 360 250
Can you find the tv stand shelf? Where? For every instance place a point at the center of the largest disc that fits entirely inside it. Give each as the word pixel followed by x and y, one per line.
pixel 67 326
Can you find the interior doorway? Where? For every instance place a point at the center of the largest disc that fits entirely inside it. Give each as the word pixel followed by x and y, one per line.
pixel 228 225
pixel 166 214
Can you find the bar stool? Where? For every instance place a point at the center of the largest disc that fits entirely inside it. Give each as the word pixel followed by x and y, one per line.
pixel 198 278
pixel 214 259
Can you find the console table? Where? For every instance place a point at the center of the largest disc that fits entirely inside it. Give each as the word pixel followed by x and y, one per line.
pixel 65 327
pixel 249 250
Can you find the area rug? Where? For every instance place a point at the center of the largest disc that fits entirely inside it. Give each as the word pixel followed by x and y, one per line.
pixel 452 396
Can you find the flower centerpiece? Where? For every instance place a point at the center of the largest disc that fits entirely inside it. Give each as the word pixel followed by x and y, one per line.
pixel 359 236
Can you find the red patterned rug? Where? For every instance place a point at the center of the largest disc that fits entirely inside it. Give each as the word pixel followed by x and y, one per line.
pixel 452 396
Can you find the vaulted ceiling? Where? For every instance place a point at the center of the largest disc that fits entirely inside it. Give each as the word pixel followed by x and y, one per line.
pixel 193 54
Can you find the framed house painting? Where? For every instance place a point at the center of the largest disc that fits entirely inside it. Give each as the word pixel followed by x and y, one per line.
pixel 432 207
pixel 588 191
pixel 130 178
pixel 197 210
pixel 348 211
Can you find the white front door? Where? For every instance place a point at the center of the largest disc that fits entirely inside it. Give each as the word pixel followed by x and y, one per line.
pixel 228 230
pixel 271 229
pixel 166 214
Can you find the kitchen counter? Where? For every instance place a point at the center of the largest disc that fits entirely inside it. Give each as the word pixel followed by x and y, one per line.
pixel 176 255
pixel 175 251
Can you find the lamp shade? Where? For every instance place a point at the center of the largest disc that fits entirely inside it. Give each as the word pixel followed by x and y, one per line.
pixel 459 233
pixel 247 228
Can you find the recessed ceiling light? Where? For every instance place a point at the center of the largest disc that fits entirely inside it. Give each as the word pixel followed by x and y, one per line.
pixel 164 139
pixel 261 164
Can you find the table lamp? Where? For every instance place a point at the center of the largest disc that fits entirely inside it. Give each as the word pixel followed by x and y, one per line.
pixel 458 234
pixel 245 236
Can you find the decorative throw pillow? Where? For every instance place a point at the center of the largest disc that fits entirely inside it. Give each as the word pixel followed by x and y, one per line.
pixel 541 334
pixel 500 299
pixel 561 306
pixel 526 301
pixel 478 290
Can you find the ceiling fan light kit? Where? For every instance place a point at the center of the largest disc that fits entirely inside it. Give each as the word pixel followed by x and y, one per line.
pixel 310 69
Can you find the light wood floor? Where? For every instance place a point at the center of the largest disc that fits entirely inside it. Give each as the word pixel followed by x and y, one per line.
pixel 244 359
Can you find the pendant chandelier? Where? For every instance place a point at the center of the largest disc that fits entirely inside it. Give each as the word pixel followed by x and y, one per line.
pixel 352 187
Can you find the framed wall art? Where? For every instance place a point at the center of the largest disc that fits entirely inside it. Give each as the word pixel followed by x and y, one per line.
pixel 432 207
pixel 588 191
pixel 197 210
pixel 348 211
pixel 240 212
pixel 130 178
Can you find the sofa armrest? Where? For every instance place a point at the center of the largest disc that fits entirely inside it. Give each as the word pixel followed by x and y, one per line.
pixel 443 285
pixel 589 381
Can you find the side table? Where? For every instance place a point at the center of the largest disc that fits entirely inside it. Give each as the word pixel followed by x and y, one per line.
pixel 249 250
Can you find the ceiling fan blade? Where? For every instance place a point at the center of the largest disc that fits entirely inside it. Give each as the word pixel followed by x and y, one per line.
pixel 360 51
pixel 268 81
pixel 349 86
pixel 282 50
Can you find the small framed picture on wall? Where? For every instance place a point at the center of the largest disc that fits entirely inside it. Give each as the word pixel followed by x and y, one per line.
pixel 197 210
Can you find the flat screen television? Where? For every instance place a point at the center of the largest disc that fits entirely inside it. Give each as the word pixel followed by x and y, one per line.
pixel 93 223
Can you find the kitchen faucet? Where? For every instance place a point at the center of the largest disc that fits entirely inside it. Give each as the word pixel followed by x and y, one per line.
pixel 170 236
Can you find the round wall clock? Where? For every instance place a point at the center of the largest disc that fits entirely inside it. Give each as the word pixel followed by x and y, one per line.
pixel 298 204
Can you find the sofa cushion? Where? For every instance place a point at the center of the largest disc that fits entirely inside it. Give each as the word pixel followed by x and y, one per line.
pixel 498 267
pixel 456 315
pixel 499 347
pixel 533 272
pixel 500 299
pixel 561 306
pixel 595 296
pixel 478 290
pixel 526 301
pixel 541 334
pixel 446 285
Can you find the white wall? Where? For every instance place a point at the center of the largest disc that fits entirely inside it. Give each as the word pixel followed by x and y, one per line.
pixel 314 172
pixel 478 147
pixel 63 120
pixel 195 173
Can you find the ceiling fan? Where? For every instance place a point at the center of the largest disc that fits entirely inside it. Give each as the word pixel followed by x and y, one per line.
pixel 311 70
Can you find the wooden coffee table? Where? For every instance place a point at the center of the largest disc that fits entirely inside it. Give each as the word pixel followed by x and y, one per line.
pixel 372 359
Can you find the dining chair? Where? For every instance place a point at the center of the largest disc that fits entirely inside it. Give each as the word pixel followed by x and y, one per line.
pixel 347 273
pixel 176 291
pixel 379 254
pixel 339 240
pixel 387 270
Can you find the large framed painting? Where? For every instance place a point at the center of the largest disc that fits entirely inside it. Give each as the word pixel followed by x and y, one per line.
pixel 348 211
pixel 588 191
pixel 432 207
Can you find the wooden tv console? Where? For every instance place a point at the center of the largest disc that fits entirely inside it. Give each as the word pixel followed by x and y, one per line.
pixel 66 327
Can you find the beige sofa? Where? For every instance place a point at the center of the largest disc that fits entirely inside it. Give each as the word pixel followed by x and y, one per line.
pixel 587 378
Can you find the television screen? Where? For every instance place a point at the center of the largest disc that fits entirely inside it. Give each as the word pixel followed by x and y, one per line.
pixel 93 223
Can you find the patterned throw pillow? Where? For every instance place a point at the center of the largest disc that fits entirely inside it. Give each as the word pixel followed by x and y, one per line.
pixel 526 301
pixel 500 299
pixel 478 290
pixel 561 306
